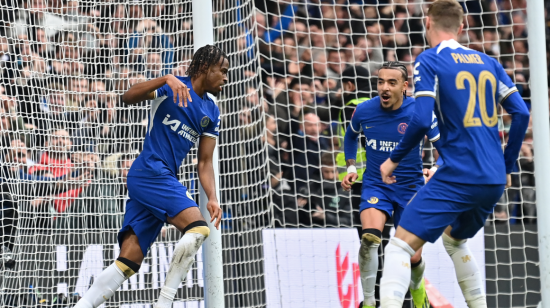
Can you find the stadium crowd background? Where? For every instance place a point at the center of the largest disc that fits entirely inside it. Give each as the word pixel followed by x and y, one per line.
pixel 67 140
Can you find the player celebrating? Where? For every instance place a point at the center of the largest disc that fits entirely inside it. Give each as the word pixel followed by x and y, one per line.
pixel 465 87
pixel 384 120
pixel 155 194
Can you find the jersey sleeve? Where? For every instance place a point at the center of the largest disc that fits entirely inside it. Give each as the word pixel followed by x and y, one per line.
pixel 505 84
pixel 355 123
pixel 433 133
pixel 163 91
pixel 213 128
pixel 425 78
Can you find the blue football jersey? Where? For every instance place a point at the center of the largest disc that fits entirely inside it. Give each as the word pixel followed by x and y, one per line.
pixel 383 130
pixel 172 131
pixel 467 86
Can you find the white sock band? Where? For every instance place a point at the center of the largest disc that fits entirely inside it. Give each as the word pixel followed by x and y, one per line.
pixel 467 272
pixel 368 266
pixel 397 273
pixel 103 288
pixel 184 255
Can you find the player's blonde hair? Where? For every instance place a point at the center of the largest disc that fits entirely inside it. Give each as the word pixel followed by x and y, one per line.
pixel 446 15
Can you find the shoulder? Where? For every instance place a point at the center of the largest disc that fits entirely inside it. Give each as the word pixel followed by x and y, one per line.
pixel 210 104
pixel 491 61
pixel 409 101
pixel 185 79
pixel 368 105
pixel 427 55
pixel 425 62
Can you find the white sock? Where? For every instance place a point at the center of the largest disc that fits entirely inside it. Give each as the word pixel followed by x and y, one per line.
pixel 184 255
pixel 368 266
pixel 467 272
pixel 103 288
pixel 397 273
pixel 417 273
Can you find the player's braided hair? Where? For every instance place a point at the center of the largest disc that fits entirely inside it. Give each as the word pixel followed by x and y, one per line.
pixel 394 65
pixel 203 59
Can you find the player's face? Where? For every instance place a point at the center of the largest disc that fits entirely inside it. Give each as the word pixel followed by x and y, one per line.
pixel 217 76
pixel 390 88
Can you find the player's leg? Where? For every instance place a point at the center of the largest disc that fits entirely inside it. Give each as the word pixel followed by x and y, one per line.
pixel 372 222
pixel 195 231
pixel 424 219
pixel 466 226
pixel 467 271
pixel 126 265
pixel 417 286
pixel 396 275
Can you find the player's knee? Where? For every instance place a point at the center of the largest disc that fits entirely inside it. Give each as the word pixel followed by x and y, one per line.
pixel 452 245
pixel 127 267
pixel 199 227
pixel 371 237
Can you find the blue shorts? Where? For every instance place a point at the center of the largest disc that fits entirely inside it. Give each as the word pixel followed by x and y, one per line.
pixel 390 199
pixel 151 200
pixel 464 207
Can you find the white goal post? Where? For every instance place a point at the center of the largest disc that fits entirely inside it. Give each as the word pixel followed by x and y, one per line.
pixel 541 135
pixel 203 31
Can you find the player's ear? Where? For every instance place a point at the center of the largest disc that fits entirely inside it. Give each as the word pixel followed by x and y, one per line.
pixel 428 24
pixel 460 28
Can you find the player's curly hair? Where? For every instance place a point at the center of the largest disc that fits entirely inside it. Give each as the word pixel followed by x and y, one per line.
pixel 394 65
pixel 203 59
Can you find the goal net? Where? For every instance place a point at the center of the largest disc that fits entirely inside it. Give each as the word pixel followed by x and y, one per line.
pixel 306 49
pixel 67 142
pixel 289 235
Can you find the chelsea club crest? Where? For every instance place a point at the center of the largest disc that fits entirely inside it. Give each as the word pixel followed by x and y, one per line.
pixel 204 122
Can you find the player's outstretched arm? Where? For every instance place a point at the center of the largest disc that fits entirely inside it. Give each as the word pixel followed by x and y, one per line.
pixel 206 177
pixel 146 90
pixel 350 151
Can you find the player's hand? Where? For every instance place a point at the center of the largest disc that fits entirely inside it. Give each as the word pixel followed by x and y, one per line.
pixel 428 173
pixel 179 89
pixel 508 180
pixel 386 170
pixel 215 211
pixel 348 180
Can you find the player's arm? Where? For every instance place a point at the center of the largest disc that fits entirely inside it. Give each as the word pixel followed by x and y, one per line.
pixel 150 89
pixel 350 152
pixel 515 106
pixel 207 179
pixel 510 99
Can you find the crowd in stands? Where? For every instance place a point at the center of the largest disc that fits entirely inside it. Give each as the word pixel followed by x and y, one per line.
pixel 68 141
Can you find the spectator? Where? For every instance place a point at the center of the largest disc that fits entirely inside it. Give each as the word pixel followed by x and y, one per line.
pixel 147 37
pixel 36 15
pixel 56 159
pixel 291 103
pixel 153 68
pixel 307 148
pixel 78 87
pixel 331 206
